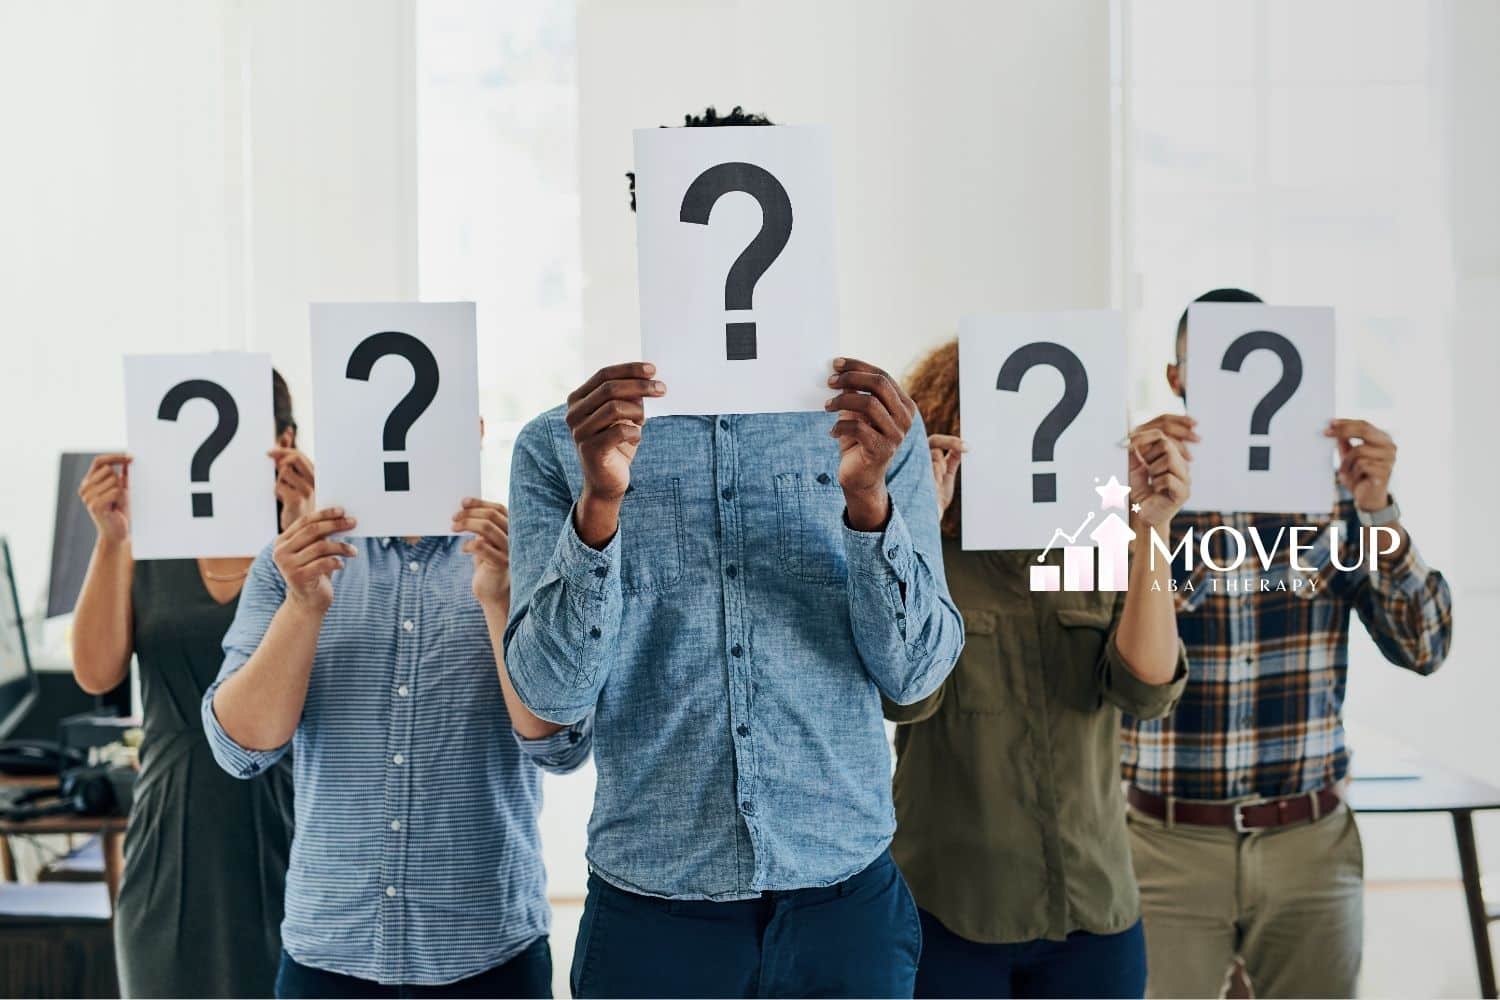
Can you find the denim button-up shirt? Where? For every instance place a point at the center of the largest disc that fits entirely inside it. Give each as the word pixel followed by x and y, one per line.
pixel 732 642
pixel 416 857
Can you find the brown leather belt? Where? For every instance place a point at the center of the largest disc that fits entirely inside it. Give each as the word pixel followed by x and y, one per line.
pixel 1253 814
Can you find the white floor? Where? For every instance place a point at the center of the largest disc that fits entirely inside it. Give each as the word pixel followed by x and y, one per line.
pixel 1416 942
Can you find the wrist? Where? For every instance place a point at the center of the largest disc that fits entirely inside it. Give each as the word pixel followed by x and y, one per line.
pixel 304 611
pixel 867 510
pixel 111 548
pixel 596 518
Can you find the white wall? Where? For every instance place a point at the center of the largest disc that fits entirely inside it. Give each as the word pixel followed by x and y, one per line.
pixel 184 175
pixel 971 148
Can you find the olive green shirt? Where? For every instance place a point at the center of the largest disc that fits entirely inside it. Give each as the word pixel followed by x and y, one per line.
pixel 1010 821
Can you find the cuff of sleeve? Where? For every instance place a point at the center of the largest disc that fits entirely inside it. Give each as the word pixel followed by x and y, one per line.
pixel 1402 564
pixel 884 553
pixel 1141 698
pixel 587 569
pixel 241 761
pixel 556 745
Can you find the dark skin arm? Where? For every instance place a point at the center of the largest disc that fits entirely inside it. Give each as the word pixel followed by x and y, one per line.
pixel 874 415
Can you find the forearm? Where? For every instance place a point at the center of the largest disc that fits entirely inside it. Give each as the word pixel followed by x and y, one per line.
pixel 526 724
pixel 102 619
pixel 1147 634
pixel 260 705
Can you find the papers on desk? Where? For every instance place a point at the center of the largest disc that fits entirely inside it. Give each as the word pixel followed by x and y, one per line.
pixel 55 900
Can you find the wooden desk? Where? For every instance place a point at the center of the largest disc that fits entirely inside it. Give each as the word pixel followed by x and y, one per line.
pixel 1432 788
pixel 110 829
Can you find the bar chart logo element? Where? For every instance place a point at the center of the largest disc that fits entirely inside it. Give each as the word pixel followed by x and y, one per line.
pixel 1110 538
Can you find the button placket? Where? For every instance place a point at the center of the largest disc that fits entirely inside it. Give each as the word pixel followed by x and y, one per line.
pixel 399 779
pixel 733 580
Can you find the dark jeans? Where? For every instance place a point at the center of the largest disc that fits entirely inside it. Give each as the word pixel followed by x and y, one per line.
pixel 529 974
pixel 1085 965
pixel 859 938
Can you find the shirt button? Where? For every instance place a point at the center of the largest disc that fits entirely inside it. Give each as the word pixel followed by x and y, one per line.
pixel 398 759
pixel 390 890
pixel 601 571
pixel 727 493
pixel 408 625
pixel 395 824
pixel 892 553
pixel 723 425
pixel 747 807
pixel 743 730
pixel 731 571
pixel 736 650
pixel 415 567
pixel 403 691
pixel 594 632
pixel 823 478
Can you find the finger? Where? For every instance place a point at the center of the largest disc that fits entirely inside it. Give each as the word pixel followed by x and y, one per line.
pixel 611 411
pixel 104 498
pixel 478 503
pixel 954 457
pixel 854 431
pixel 485 552
pixel 290 459
pixel 629 370
pixel 946 442
pixel 1171 486
pixel 325 566
pixel 300 558
pixel 879 385
pixel 310 527
pixel 92 485
pixel 108 461
pixel 463 521
pixel 611 438
pixel 491 533
pixel 1362 429
pixel 1176 425
pixel 868 408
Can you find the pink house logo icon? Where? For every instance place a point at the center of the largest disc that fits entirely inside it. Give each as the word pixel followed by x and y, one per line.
pixel 1111 539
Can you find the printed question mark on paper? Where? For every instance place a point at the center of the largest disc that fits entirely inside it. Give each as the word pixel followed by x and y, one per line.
pixel 755 259
pixel 1276 397
pixel 213 445
pixel 423 390
pixel 1075 393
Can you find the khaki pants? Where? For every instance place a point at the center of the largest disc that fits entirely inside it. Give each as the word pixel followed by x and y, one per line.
pixel 1289 902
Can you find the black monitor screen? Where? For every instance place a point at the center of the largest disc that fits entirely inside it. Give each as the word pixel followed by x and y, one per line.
pixel 18 683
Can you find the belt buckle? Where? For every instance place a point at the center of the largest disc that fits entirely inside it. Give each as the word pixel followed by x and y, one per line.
pixel 1239 815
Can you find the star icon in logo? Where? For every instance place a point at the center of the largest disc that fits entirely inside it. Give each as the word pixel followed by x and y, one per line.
pixel 1112 494
pixel 1135 508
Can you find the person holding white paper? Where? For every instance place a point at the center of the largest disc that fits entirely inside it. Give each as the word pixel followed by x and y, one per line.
pixel 1242 842
pixel 205 857
pixel 417 861
pixel 1010 821
pixel 728 597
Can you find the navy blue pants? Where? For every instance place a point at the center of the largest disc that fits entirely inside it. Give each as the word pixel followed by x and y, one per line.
pixel 529 974
pixel 859 938
pixel 1085 965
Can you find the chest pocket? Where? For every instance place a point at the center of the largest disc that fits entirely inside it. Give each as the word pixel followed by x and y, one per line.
pixel 810 510
pixel 1073 667
pixel 651 537
pixel 988 677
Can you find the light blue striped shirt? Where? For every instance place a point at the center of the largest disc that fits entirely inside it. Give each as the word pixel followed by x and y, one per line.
pixel 416 857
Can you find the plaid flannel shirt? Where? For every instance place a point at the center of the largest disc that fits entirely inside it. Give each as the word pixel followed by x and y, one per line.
pixel 1268 656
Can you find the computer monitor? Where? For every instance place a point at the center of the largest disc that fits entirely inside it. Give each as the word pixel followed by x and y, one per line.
pixel 73 535
pixel 18 683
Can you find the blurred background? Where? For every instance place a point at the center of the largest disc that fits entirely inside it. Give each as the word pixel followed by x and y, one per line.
pixel 185 176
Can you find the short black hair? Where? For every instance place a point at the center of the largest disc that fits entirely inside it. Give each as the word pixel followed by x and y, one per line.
pixel 1217 295
pixel 281 403
pixel 710 116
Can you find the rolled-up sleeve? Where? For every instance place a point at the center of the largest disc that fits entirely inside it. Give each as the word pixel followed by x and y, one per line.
pixel 565 750
pixel 262 594
pixel 1142 699
pixel 567 604
pixel 906 627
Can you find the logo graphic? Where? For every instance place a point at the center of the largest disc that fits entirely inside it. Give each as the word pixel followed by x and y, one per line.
pixel 1111 538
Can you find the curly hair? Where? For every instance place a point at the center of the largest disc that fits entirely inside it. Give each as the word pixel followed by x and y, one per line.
pixel 710 116
pixel 933 385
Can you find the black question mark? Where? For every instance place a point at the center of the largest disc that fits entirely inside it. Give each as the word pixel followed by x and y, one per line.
pixel 213 445
pixel 755 259
pixel 1275 399
pixel 423 390
pixel 1075 393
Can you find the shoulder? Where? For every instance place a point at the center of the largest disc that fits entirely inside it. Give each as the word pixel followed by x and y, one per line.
pixel 538 437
